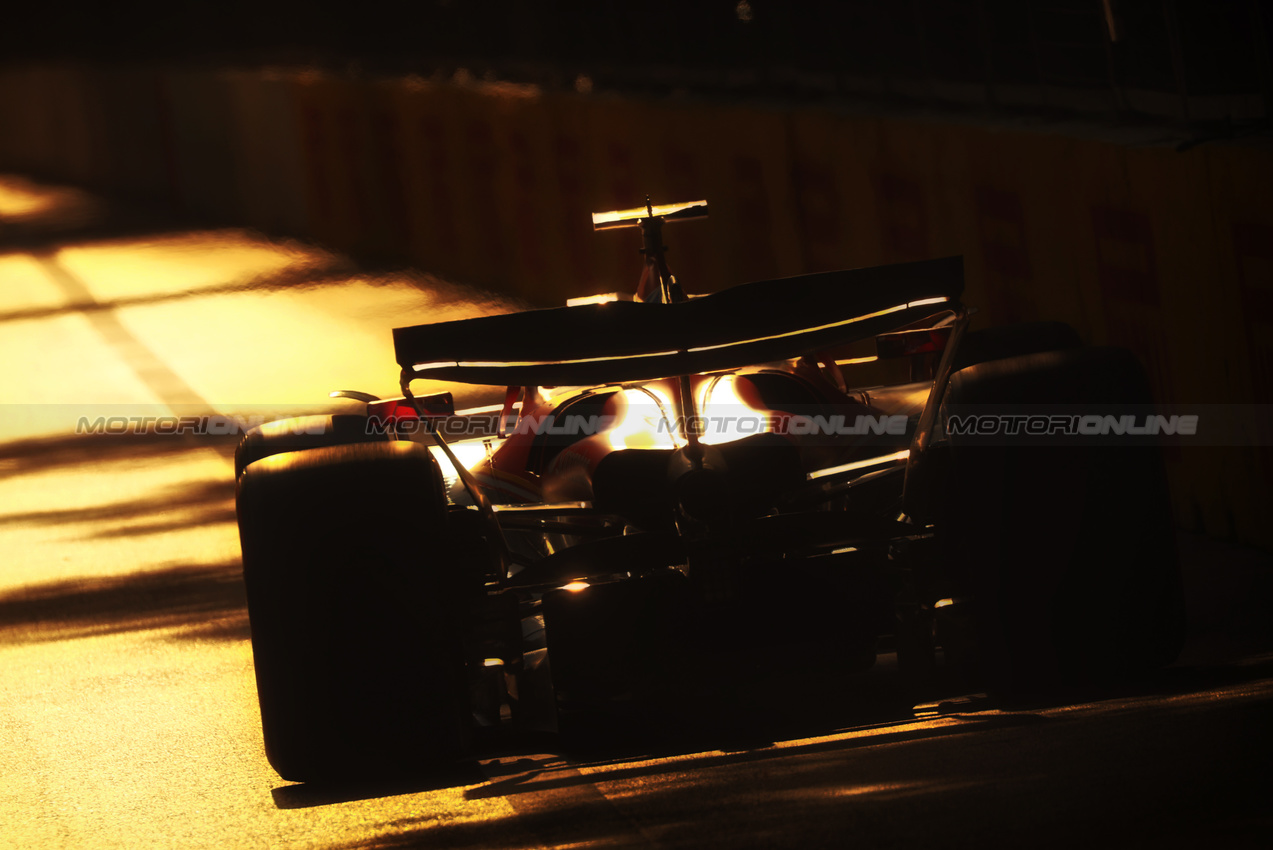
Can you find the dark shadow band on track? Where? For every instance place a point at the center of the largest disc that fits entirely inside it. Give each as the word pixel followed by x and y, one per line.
pixel 41 454
pixel 200 601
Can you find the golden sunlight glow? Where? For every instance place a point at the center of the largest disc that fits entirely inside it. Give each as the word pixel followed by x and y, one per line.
pixel 644 422
pixel 548 394
pixel 469 454
pixel 184 263
pixel 18 200
pixel 726 415
pixel 604 298
pixel 576 586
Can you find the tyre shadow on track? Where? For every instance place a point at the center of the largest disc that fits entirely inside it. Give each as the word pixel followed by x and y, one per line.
pixel 1104 780
pixel 898 731
pixel 314 794
pixel 197 601
pixel 1129 774
pixel 515 774
pixel 537 763
pixel 540 765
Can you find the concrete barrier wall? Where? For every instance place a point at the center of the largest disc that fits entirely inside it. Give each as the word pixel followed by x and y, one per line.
pixel 1169 253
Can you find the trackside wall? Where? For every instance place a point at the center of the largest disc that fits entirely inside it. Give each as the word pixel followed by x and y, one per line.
pixel 1166 251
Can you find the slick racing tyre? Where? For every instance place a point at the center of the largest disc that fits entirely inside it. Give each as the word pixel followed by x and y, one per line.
pixel 356 607
pixel 1068 550
pixel 302 432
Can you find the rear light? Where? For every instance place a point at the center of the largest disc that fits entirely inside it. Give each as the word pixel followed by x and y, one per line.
pixel 907 343
pixel 392 410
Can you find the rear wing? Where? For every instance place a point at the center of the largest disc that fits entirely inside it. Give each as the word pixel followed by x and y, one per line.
pixel 625 341
pixel 632 218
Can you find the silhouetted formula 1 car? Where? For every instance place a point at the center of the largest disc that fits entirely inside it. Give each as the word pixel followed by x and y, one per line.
pixel 690 500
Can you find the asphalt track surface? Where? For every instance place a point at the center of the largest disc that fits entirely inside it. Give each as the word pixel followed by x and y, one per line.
pixel 128 712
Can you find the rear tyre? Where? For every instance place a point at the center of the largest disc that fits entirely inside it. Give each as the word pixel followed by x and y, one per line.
pixel 1069 550
pixel 303 432
pixel 357 611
